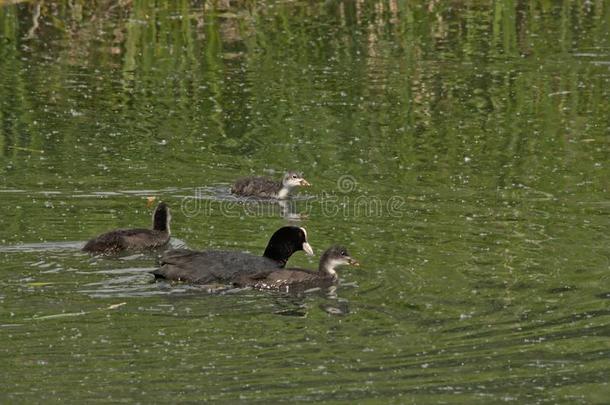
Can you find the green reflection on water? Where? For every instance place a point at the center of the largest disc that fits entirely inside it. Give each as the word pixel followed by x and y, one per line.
pixel 489 121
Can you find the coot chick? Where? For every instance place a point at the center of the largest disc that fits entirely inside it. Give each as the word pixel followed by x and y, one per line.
pixel 268 188
pixel 217 266
pixel 300 279
pixel 134 239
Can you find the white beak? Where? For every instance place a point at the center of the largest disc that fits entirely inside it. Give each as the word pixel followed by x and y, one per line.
pixel 307 248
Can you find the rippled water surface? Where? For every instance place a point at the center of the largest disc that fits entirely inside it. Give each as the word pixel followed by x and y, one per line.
pixel 459 149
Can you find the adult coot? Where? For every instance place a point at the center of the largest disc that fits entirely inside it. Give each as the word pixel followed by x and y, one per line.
pixel 134 239
pixel 217 266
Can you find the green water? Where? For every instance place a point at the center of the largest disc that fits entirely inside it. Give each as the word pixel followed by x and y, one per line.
pixel 459 149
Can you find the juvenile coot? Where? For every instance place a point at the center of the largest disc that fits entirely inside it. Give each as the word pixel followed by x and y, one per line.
pixel 269 188
pixel 300 279
pixel 216 266
pixel 134 239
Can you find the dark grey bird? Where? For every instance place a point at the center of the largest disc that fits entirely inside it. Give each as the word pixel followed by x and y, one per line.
pixel 134 239
pixel 291 279
pixel 265 187
pixel 216 266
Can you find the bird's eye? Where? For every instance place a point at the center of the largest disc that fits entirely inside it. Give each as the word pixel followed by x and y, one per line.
pixel 294 176
pixel 343 253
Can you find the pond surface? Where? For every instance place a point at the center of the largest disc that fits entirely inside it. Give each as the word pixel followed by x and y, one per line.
pixel 459 149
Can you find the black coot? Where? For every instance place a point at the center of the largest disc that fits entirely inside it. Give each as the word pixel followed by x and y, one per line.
pixel 300 279
pixel 214 266
pixel 134 239
pixel 269 188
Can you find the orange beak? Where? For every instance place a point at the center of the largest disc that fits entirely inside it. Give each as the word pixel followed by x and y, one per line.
pixel 305 183
pixel 354 262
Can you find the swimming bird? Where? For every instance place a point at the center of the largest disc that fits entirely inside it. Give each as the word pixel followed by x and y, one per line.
pixel 300 279
pixel 134 239
pixel 257 186
pixel 217 266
